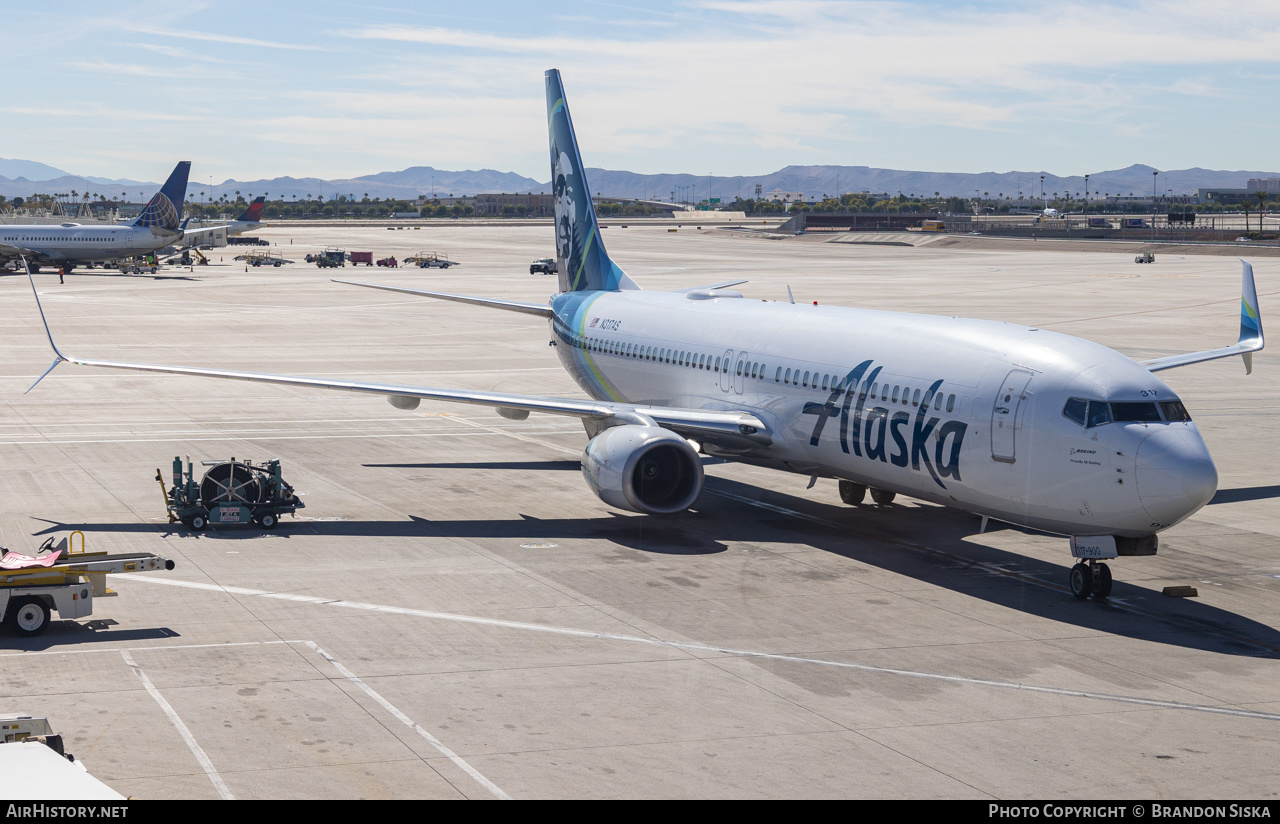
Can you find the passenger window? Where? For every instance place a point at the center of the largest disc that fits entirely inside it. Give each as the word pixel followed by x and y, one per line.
pixel 702 361
pixel 951 403
pixel 717 364
pixel 778 377
pixel 787 377
pixel 874 387
pixel 825 378
pixel 1075 410
pixel 884 392
pixel 739 372
pixel 1174 411
pixel 915 399
pixel 805 381
pixel 1099 413
pixel 895 393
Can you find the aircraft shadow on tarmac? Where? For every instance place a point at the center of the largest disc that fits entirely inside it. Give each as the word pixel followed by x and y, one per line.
pixel 924 542
pixel 1245 493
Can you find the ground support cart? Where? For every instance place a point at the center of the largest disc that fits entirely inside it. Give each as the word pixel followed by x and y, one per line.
pixel 231 492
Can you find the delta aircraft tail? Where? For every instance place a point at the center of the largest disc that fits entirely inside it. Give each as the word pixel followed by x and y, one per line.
pixel 583 263
pixel 253 214
pixel 165 209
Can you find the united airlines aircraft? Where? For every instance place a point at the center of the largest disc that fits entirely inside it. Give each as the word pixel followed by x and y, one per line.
pixel 71 244
pixel 1012 423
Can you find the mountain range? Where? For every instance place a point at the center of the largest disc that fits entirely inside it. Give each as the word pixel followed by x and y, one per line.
pixel 20 178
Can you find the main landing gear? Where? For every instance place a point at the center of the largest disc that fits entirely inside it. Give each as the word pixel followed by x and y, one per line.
pixel 854 494
pixel 1090 578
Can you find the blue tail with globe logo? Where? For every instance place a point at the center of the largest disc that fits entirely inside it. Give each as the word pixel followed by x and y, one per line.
pixel 164 211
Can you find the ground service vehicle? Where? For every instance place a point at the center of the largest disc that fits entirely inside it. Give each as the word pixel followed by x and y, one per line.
pixel 1145 257
pixel 231 492
pixel 357 258
pixel 61 578
pixel 240 240
pixel 543 266
pixel 389 262
pixel 431 260
pixel 330 258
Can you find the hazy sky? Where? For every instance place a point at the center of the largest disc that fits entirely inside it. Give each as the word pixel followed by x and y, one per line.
pixel 249 90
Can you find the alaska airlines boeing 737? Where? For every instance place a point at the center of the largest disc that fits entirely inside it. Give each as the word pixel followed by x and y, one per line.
pixel 1012 423
pixel 70 244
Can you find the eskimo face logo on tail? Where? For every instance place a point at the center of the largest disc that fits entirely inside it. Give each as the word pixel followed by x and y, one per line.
pixel 159 212
pixel 565 208
pixel 869 427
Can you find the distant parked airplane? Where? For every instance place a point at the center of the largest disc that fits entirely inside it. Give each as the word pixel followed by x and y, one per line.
pixel 249 219
pixel 71 244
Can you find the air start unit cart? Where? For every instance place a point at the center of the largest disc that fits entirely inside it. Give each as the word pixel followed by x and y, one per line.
pixel 231 492
pixel 32 586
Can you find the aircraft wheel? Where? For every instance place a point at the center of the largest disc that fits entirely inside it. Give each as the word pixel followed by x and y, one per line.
pixel 882 496
pixel 1081 581
pixel 851 493
pixel 1101 581
pixel 30 616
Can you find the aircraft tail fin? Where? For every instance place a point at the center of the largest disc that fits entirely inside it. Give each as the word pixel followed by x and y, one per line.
pixel 583 263
pixel 253 214
pixel 165 208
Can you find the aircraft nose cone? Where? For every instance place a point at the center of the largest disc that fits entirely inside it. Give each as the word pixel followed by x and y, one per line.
pixel 1176 475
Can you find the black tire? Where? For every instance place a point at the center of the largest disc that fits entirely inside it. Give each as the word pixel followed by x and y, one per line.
pixel 883 497
pixel 1081 581
pixel 28 616
pixel 1102 581
pixel 198 523
pixel 851 493
pixel 269 520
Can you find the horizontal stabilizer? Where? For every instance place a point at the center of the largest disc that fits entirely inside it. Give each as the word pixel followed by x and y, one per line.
pixel 509 305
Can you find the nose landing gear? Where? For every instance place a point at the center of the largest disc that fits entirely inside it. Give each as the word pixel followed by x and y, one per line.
pixel 1090 578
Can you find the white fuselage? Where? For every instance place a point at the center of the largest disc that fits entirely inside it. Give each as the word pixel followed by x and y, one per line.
pixel 965 413
pixel 72 243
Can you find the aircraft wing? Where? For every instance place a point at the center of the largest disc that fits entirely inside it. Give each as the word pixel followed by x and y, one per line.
pixel 1251 338
pixel 729 428
pixel 9 253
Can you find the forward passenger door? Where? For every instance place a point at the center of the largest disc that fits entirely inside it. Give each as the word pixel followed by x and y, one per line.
pixel 1006 415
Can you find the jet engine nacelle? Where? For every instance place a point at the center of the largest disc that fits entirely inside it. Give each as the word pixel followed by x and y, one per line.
pixel 643 469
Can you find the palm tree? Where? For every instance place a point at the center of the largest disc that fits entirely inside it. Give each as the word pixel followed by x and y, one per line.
pixel 1261 197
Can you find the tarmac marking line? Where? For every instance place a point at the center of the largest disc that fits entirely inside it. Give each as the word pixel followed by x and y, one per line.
pixel 190 740
pixel 494 789
pixel 711 648
pixel 319 436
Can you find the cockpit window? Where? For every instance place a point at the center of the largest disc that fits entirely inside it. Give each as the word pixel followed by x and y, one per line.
pixel 1099 413
pixel 1174 411
pixel 1075 410
pixel 1135 412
